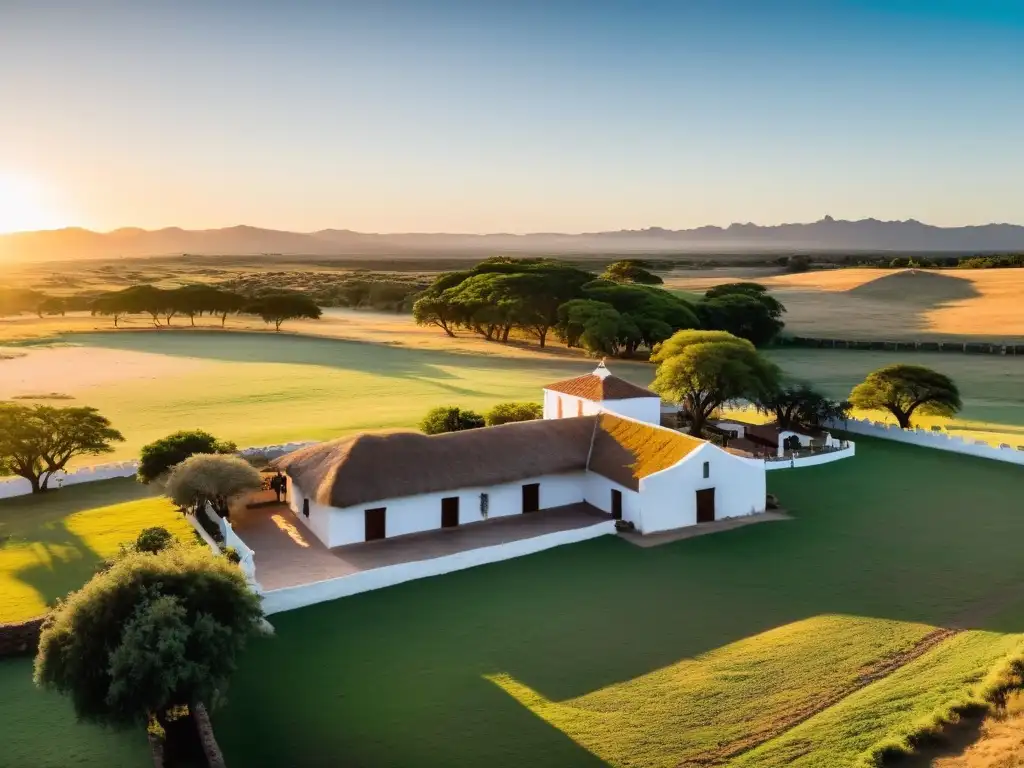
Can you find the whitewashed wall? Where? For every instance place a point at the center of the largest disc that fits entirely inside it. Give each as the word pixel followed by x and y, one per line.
pixel 336 526
pixel 938 440
pixel 668 498
pixel 571 406
pixel 290 598
pixel 597 491
pixel 645 409
pixel 20 487
pixel 826 457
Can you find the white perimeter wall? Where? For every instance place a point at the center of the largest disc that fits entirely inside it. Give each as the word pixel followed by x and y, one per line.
pixel 336 526
pixel 809 461
pixel 19 486
pixel 928 439
pixel 669 498
pixel 289 598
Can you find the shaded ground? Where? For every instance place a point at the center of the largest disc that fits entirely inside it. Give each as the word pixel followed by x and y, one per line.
pixel 897 534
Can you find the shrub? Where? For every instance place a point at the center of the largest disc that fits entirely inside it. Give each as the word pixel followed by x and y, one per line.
pixel 160 456
pixel 447 418
pixel 212 479
pixel 153 540
pixel 504 413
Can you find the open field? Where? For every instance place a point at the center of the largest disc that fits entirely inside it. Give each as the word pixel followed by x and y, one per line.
pixel 51 544
pixel 259 389
pixel 607 654
pixel 889 305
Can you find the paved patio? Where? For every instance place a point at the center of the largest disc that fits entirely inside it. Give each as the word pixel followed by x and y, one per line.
pixel 288 554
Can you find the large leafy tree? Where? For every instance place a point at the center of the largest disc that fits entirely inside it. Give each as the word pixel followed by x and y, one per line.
pixel 277 307
pixel 208 478
pixel 158 457
pixel 904 390
pixel 800 405
pixel 746 310
pixel 631 271
pixel 148 635
pixel 703 371
pixel 38 440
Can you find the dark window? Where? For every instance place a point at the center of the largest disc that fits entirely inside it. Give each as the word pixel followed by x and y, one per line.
pixel 305 507
pixel 707 469
pixel 376 523
pixel 450 512
pixel 531 497
pixel 616 504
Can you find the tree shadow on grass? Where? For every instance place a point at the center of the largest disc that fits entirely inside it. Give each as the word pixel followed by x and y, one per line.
pixel 64 563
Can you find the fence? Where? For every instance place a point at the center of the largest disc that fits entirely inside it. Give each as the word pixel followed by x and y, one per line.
pixel 231 539
pixel 929 439
pixel 290 598
pixel 969 347
pixel 813 459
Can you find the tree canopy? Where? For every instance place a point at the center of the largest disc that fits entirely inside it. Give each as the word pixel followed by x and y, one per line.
pixel 904 390
pixel 448 418
pixel 208 478
pixel 38 440
pixel 152 633
pixel 800 405
pixel 631 271
pixel 505 413
pixel 277 307
pixel 743 309
pixel 158 457
pixel 703 370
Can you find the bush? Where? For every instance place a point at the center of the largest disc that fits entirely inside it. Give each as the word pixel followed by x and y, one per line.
pixel 798 263
pixel 504 413
pixel 212 479
pixel 153 540
pixel 232 556
pixel 447 418
pixel 151 634
pixel 160 456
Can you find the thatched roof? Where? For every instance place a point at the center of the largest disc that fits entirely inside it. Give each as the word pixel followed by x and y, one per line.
pixel 599 385
pixel 373 467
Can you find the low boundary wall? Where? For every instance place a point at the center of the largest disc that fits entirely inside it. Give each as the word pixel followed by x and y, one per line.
pixel 290 598
pixel 825 457
pixel 929 439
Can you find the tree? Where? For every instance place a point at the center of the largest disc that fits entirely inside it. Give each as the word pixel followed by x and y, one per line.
pixel 744 315
pixel 210 478
pixel 52 305
pixel 109 305
pixel 38 440
pixel 800 405
pixel 504 413
pixel 434 310
pixel 159 456
pixel 904 390
pixel 446 418
pixel 277 307
pixel 703 371
pixel 631 271
pixel 224 303
pixel 149 635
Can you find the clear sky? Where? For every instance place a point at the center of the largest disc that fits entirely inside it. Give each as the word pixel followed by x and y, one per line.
pixel 508 116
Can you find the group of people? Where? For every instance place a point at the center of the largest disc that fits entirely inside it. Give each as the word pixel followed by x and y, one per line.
pixel 279 485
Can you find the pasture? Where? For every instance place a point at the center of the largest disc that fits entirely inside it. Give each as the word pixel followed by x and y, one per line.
pixel 51 544
pixel 888 305
pixel 888 597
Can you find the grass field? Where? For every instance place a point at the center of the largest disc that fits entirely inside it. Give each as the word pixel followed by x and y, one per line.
pixel 259 389
pixel 51 544
pixel 877 304
pixel 608 654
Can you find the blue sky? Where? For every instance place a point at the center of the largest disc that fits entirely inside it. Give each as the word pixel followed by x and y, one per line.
pixel 530 116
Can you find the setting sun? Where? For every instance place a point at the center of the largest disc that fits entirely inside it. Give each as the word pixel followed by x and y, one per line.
pixel 25 205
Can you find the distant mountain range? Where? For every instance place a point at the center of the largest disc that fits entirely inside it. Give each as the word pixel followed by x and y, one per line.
pixel 828 234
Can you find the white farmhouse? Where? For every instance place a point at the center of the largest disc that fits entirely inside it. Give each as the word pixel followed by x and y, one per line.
pixel 599 443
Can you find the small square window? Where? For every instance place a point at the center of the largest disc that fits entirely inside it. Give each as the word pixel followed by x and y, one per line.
pixel 707 469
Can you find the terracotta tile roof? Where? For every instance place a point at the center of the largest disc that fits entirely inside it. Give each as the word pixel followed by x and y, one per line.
pixel 373 467
pixel 626 451
pixel 598 388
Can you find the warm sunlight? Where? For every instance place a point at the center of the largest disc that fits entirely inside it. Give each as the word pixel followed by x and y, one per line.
pixel 24 205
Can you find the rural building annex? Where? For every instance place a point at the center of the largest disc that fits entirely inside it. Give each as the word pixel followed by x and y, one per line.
pixel 600 444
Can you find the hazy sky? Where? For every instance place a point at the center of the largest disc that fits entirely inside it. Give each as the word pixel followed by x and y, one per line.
pixel 509 116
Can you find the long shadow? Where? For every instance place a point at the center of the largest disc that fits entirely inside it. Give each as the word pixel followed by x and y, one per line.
pixel 369 357
pixel 65 562
pixel 897 533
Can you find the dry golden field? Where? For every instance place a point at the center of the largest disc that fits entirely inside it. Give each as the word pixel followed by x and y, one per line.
pixel 877 304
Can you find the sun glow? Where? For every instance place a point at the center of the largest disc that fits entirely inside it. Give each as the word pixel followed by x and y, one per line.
pixel 25 205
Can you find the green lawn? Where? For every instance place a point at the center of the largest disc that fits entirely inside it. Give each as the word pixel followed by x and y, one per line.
pixel 51 543
pixel 585 655
pixel 258 389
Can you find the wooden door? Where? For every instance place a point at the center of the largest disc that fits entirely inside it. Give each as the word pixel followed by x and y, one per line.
pixel 376 523
pixel 616 504
pixel 706 505
pixel 531 497
pixel 450 512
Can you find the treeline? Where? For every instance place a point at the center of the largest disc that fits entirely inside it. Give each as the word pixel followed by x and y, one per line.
pixel 361 289
pixel 616 313
pixel 976 261
pixel 194 301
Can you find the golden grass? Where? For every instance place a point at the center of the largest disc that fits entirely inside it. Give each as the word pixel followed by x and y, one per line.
pixel 47 550
pixel 712 707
